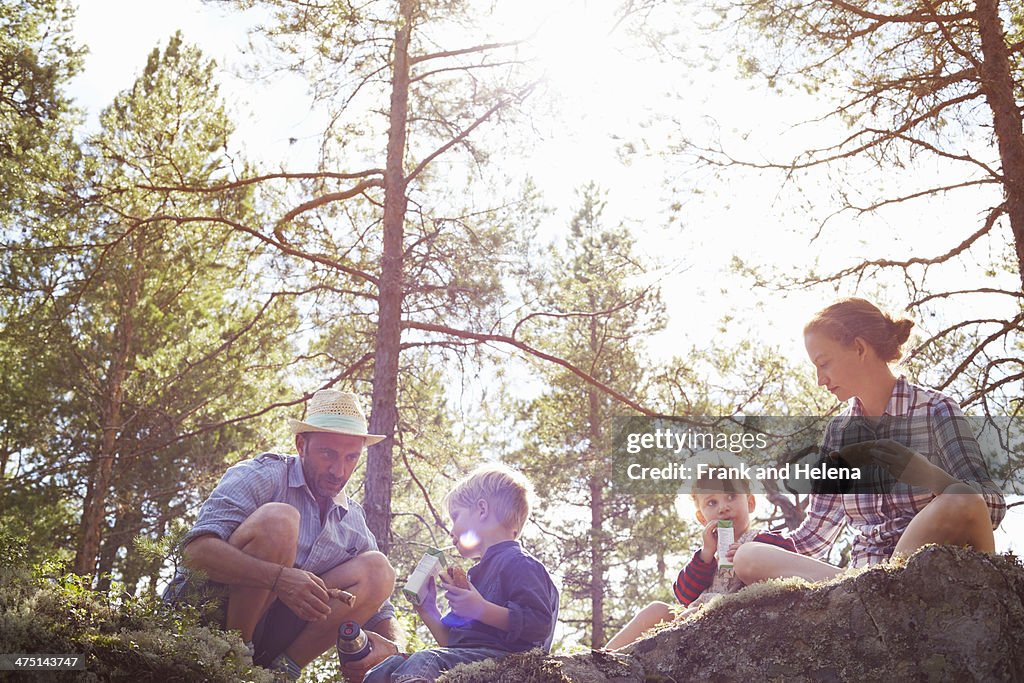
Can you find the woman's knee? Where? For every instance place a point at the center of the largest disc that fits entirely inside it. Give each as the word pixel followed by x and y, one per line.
pixel 960 511
pixel 749 561
pixel 954 517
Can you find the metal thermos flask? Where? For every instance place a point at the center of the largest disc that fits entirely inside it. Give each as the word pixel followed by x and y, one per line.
pixel 353 643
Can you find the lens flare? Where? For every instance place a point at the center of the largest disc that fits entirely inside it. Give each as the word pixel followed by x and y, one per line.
pixel 469 540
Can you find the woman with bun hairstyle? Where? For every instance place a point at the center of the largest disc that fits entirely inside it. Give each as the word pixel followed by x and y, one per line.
pixel 940 490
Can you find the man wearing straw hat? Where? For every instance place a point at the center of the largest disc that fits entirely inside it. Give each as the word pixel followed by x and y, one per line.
pixel 278 541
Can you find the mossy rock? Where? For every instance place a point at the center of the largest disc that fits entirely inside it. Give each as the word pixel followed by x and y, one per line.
pixel 946 614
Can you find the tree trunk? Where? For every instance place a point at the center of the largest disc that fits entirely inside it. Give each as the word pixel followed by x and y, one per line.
pixel 792 513
pixel 108 553
pixel 155 566
pixel 122 534
pixel 133 567
pixel 94 508
pixel 597 568
pixel 597 489
pixel 384 412
pixel 102 470
pixel 998 86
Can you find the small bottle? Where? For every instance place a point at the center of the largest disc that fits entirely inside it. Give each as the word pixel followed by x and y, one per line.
pixel 353 643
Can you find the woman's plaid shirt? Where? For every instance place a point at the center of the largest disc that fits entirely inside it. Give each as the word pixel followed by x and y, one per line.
pixel 929 423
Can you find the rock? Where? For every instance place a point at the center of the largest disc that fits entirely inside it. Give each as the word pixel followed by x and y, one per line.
pixel 946 614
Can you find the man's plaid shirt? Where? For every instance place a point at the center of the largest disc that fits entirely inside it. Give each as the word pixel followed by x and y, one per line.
pixel 929 423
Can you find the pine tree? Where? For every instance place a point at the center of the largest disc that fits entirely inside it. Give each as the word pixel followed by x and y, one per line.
pixel 600 539
pixel 162 335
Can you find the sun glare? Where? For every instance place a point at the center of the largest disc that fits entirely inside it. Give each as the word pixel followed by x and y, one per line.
pixel 580 53
pixel 575 50
pixel 469 539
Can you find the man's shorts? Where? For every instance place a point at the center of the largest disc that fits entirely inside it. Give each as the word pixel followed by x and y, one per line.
pixel 278 628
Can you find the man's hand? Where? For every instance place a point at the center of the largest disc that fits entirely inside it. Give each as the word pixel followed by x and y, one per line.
pixel 381 649
pixel 465 602
pixel 304 593
pixel 710 539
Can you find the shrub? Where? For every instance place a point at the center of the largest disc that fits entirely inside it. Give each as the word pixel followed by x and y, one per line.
pixel 46 610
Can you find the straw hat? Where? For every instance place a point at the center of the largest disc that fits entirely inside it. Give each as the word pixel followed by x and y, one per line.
pixel 334 412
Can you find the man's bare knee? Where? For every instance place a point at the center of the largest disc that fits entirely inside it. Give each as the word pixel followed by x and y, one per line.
pixel 370 572
pixel 276 513
pixel 378 571
pixel 273 526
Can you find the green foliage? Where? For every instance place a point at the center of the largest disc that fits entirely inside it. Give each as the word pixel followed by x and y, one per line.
pixel 155 339
pixel 43 609
pixel 38 57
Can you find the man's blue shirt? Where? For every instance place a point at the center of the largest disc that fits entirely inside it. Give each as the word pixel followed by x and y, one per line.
pixel 272 478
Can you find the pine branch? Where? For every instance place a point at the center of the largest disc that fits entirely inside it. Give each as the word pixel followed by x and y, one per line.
pixel 502 339
pixel 463 51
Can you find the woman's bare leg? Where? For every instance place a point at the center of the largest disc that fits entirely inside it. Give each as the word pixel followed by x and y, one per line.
pixel 759 561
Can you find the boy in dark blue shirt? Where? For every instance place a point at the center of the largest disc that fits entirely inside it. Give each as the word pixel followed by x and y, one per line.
pixel 511 605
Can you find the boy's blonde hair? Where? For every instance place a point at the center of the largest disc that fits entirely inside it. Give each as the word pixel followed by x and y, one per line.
pixel 704 486
pixel 718 461
pixel 506 491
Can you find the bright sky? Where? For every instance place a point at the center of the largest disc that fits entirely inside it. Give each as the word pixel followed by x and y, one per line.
pixel 605 90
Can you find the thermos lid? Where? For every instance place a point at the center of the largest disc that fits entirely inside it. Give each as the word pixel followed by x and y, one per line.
pixel 348 631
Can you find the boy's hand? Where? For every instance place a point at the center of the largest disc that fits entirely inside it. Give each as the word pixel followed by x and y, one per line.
pixel 710 537
pixel 429 604
pixel 731 551
pixel 465 602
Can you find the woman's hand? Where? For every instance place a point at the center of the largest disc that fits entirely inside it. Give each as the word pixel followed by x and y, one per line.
pixel 903 463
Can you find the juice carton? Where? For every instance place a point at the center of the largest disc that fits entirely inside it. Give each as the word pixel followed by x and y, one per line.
pixel 431 564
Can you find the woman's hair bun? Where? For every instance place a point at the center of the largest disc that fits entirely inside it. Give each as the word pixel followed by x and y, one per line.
pixel 848 319
pixel 901 331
